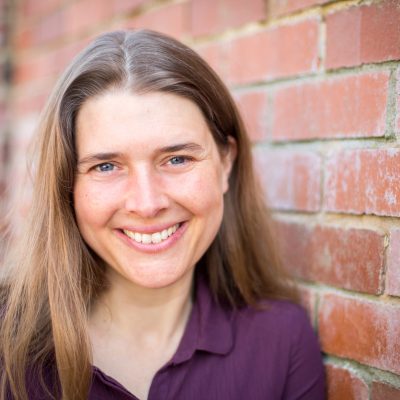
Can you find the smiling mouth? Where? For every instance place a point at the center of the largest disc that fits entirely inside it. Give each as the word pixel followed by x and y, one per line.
pixel 151 238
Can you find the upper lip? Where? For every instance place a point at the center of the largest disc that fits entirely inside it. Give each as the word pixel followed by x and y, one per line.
pixel 148 228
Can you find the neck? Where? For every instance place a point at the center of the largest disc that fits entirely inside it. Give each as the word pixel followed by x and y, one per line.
pixel 142 314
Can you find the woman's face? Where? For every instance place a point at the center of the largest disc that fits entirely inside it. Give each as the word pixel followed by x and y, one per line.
pixel 148 193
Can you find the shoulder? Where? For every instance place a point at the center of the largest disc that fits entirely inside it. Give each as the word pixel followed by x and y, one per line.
pixel 274 317
pixel 275 326
pixel 278 336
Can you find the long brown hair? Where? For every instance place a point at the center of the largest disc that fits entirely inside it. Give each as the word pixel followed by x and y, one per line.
pixel 55 277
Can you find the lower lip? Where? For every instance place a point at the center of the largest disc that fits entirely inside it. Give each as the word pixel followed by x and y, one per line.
pixel 154 247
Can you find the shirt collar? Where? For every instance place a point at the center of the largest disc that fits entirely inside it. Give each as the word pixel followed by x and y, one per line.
pixel 209 327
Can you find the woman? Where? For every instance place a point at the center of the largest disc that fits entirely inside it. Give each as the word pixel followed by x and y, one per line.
pixel 147 270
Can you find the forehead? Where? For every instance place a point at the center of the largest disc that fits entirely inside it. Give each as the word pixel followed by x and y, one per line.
pixel 142 120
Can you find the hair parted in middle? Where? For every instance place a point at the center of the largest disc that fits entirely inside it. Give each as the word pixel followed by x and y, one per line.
pixel 58 275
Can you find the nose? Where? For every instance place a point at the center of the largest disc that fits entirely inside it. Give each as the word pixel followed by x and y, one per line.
pixel 145 193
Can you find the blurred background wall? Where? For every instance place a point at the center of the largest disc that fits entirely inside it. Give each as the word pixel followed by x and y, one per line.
pixel 318 82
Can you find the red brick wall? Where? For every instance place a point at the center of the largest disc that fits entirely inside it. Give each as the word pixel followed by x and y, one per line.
pixel 319 84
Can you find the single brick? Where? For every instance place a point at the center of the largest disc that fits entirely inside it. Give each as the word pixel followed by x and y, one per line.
pixel 353 106
pixel 364 331
pixel 363 34
pixel 393 264
pixel 273 53
pixel 343 384
pixel 383 391
pixel 348 258
pixel 363 181
pixel 254 109
pixel 211 16
pixel 282 7
pixel 291 179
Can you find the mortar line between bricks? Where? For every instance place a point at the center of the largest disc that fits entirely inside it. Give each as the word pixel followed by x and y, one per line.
pixel 391 105
pixel 318 10
pixel 383 271
pixel 230 34
pixel 368 373
pixel 344 221
pixel 318 76
pixel 322 183
pixel 332 144
pixel 324 289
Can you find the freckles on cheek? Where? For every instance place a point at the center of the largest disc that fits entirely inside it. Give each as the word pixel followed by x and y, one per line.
pixel 89 204
pixel 204 191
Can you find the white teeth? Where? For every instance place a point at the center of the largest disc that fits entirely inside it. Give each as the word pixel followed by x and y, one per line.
pixel 156 237
pixel 146 239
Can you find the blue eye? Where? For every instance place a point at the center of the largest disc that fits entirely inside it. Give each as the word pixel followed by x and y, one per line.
pixel 105 167
pixel 177 160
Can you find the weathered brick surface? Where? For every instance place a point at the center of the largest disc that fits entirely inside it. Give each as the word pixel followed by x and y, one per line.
pixel 383 391
pixel 291 180
pixel 215 55
pixel 273 53
pixel 255 111
pixel 282 7
pixel 363 181
pixel 361 330
pixel 343 384
pixel 393 264
pixel 81 16
pixel 348 258
pixel 211 16
pixel 51 27
pixel 45 65
pixel 353 106
pixel 327 141
pixel 32 9
pixel 397 124
pixel 172 20
pixel 364 34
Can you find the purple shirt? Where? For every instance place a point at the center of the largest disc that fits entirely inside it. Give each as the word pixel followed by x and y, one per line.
pixel 234 355
pixel 225 354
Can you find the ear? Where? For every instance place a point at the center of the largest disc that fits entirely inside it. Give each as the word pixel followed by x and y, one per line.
pixel 228 158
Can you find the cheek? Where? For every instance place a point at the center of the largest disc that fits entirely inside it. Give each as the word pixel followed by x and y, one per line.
pixel 92 205
pixel 202 192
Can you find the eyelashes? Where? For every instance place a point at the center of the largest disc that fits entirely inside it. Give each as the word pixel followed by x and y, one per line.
pixel 104 167
pixel 109 167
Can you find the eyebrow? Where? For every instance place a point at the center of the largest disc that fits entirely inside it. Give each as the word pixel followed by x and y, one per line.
pixel 181 146
pixel 98 157
pixel 194 147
